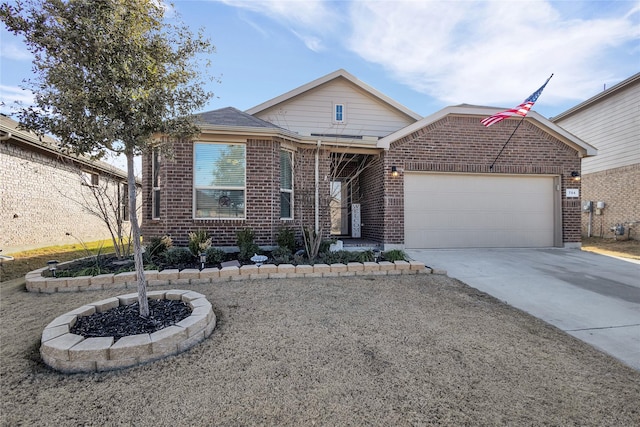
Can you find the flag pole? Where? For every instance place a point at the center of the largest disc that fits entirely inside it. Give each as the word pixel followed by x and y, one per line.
pixel 505 144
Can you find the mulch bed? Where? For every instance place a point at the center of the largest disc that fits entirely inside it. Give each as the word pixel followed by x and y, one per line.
pixel 125 320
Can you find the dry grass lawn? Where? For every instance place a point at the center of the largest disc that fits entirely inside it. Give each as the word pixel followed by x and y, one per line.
pixel 409 350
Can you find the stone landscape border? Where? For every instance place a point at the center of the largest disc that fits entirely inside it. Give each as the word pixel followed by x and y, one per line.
pixel 36 282
pixel 71 353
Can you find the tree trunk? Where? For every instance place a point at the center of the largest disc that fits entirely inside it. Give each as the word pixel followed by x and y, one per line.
pixel 135 231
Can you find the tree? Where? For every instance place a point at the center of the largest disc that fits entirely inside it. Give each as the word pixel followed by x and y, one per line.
pixel 110 75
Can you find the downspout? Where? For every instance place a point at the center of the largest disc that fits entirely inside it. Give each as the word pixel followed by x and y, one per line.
pixel 317 171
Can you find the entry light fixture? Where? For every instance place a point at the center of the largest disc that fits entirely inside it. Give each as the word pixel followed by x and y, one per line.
pixel 394 171
pixel 575 175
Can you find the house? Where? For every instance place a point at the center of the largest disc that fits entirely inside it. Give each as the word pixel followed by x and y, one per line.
pixel 337 156
pixel 610 121
pixel 46 194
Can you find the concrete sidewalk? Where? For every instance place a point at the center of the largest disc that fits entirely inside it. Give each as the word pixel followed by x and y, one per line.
pixel 593 297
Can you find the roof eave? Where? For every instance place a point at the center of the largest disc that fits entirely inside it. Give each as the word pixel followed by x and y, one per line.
pixel 327 78
pixel 597 98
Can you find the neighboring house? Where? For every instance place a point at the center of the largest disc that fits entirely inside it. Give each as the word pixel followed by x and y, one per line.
pixel 610 121
pixel 46 194
pixel 340 157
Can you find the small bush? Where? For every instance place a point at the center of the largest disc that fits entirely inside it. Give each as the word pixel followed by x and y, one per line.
pixel 282 255
pixel 365 256
pixel 324 245
pixel 338 257
pixel 215 255
pixel 178 255
pixel 246 244
pixel 286 239
pixel 394 255
pixel 199 241
pixel 156 247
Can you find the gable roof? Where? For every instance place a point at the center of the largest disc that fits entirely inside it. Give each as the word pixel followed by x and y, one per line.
pixel 597 98
pixel 332 76
pixel 11 130
pixel 232 117
pixel 480 111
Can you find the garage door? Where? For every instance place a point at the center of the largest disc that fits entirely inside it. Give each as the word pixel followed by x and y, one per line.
pixel 476 211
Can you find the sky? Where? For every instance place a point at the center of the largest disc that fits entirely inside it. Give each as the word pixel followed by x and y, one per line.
pixel 426 55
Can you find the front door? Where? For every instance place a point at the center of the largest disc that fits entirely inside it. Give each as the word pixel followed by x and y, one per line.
pixel 339 209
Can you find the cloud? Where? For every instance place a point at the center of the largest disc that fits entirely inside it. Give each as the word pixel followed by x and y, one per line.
pixel 9 95
pixel 308 20
pixel 492 53
pixel 14 51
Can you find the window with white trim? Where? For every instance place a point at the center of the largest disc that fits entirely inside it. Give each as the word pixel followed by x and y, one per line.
pixel 155 192
pixel 339 113
pixel 219 177
pixel 286 184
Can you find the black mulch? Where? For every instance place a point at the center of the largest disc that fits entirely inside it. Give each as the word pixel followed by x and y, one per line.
pixel 125 320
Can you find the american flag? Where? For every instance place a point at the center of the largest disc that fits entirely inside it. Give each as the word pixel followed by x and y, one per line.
pixel 520 110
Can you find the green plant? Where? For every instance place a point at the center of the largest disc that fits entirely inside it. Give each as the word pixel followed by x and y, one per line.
pixel 286 239
pixel 281 255
pixel 364 256
pixel 394 255
pixel 325 244
pixel 215 255
pixel 246 244
pixel 178 255
pixel 156 247
pixel 199 241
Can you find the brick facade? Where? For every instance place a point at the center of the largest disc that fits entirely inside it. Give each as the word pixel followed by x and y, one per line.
pixel 42 200
pixel 262 194
pixel 462 145
pixel 619 189
pixel 455 144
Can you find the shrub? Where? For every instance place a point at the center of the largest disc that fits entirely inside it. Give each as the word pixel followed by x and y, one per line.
pixel 199 241
pixel 246 244
pixel 364 256
pixel 215 255
pixel 156 247
pixel 286 239
pixel 282 255
pixel 325 244
pixel 338 257
pixel 178 255
pixel 394 255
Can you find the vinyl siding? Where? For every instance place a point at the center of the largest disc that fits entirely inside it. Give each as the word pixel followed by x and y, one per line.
pixel 612 125
pixel 312 112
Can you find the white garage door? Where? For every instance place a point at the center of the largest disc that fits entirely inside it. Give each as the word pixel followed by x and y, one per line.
pixel 478 211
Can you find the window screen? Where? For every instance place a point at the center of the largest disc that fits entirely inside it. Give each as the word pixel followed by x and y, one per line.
pixel 219 180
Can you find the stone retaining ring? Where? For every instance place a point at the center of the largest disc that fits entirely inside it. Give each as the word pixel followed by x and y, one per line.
pixel 70 353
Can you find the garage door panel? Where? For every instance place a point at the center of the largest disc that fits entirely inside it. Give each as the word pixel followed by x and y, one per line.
pixel 464 210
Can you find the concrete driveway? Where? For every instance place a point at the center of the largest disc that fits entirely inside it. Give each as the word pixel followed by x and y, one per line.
pixel 593 297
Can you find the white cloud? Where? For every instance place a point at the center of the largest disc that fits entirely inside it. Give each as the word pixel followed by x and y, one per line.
pixel 309 20
pixel 490 53
pixel 14 51
pixel 10 94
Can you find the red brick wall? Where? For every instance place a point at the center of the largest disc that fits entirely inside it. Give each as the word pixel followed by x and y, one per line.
pixel 463 145
pixel 262 195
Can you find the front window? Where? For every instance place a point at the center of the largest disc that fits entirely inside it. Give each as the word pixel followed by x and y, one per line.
pixel 219 181
pixel 286 185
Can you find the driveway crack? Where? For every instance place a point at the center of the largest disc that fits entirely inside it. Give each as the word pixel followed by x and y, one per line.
pixel 603 327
